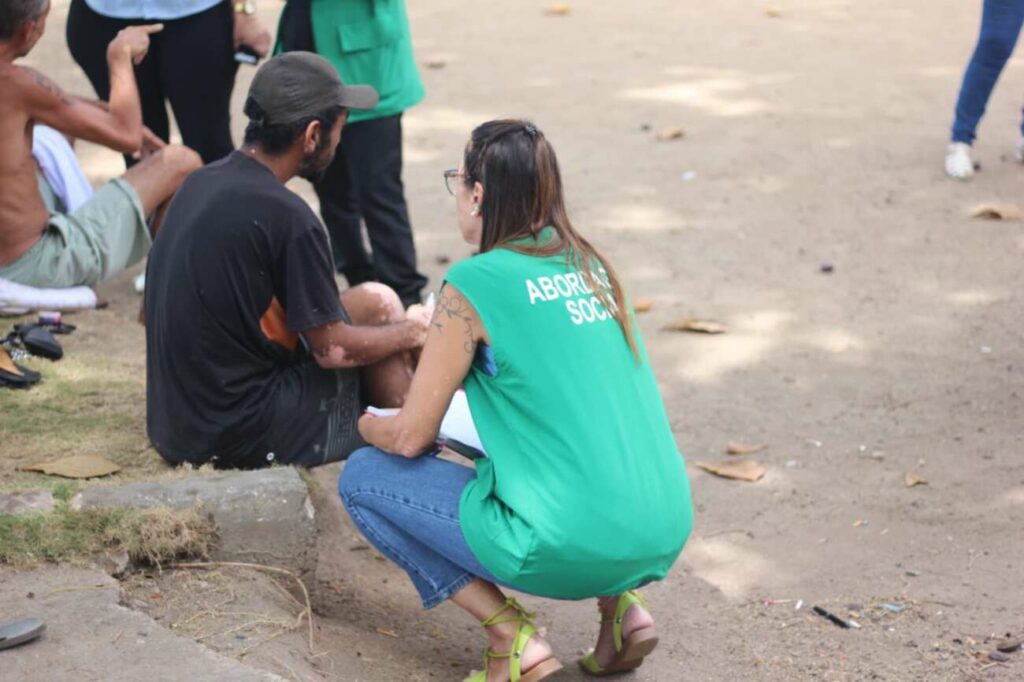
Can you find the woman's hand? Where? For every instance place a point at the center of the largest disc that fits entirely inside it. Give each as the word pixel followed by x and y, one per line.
pixel 385 432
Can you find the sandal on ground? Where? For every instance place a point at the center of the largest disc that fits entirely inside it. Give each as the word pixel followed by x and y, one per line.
pixel 524 631
pixel 629 653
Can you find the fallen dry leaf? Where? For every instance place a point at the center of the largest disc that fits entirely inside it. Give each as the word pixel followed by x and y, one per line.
pixel 435 64
pixel 642 305
pixel 670 134
pixel 739 469
pixel 388 632
pixel 912 479
pixel 741 449
pixel 859 522
pixel 772 12
pixel 559 9
pixel 76 466
pixel 998 212
pixel 696 326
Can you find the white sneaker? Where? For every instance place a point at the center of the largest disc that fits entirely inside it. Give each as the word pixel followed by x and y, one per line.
pixel 140 283
pixel 959 164
pixel 1018 151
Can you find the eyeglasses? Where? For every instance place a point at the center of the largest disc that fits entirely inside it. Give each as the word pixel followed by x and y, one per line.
pixel 448 176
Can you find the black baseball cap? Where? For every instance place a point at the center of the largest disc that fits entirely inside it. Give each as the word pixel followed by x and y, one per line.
pixel 296 85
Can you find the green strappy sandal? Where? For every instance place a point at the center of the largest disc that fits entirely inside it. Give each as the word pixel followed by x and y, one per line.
pixel 629 654
pixel 524 631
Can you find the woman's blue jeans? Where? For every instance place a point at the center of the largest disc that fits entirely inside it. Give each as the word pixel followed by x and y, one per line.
pixel 409 510
pixel 1000 25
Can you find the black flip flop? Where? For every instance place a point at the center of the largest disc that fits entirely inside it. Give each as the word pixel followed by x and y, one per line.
pixel 20 632
pixel 38 340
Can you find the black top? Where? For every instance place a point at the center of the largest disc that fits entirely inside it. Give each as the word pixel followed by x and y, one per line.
pixel 239 266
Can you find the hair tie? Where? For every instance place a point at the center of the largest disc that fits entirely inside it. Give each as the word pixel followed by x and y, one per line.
pixel 531 130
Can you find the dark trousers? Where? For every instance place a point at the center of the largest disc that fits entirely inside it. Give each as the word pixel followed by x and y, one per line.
pixel 1001 22
pixel 190 63
pixel 364 183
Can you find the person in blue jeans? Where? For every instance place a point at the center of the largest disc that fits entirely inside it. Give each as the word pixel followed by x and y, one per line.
pixel 583 491
pixel 1000 26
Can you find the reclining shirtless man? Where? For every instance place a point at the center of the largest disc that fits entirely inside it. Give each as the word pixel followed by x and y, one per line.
pixel 39 244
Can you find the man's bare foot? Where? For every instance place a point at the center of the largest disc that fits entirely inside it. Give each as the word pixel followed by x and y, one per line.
pixel 537 650
pixel 635 618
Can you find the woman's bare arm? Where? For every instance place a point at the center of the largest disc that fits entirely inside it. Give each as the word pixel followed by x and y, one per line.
pixel 447 357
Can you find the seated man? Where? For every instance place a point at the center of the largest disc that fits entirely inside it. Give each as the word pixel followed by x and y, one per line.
pixel 252 356
pixel 108 233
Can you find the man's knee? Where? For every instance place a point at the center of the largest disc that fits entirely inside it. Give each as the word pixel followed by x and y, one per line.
pixel 160 174
pixel 180 160
pixel 381 302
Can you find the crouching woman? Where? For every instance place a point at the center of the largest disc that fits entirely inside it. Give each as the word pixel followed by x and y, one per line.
pixel 583 492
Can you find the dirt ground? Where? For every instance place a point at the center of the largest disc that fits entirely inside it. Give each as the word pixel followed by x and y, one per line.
pixel 814 135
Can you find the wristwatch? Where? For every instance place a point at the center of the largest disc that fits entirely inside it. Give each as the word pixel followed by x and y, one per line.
pixel 245 7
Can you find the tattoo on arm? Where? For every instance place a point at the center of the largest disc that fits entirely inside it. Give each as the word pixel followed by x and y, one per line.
pixel 51 87
pixel 451 309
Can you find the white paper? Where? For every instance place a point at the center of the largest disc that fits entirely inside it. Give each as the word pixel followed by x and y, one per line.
pixel 457 423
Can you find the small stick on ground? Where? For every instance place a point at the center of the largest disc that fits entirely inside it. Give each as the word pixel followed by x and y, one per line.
pixel 268 569
pixel 251 624
pixel 286 593
pixel 76 588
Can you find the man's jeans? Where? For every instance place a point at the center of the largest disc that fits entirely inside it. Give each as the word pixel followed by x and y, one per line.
pixel 1000 25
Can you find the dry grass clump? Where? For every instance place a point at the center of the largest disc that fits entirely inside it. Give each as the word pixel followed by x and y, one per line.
pixel 150 536
pixel 158 536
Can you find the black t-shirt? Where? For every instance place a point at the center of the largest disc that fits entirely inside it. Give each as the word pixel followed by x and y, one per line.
pixel 240 266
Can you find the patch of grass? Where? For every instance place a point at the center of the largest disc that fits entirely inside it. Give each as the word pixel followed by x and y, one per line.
pixel 149 536
pixel 84 405
pixel 63 491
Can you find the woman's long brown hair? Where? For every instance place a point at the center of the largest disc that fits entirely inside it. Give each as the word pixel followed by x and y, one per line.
pixel 518 169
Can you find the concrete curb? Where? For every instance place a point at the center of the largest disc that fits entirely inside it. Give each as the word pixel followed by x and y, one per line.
pixel 26 502
pixel 90 635
pixel 263 517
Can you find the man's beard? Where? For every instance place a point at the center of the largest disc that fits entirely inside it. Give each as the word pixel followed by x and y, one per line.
pixel 315 165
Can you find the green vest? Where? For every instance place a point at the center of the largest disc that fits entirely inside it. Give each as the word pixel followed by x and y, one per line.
pixel 583 491
pixel 368 41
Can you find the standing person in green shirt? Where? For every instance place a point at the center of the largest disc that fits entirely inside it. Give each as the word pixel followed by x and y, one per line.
pixel 582 492
pixel 368 42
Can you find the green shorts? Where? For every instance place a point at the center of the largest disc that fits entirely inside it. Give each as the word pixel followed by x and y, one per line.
pixel 106 235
